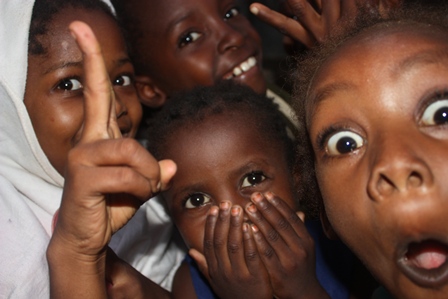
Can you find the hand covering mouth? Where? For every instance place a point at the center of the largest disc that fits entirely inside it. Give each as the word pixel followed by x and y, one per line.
pixel 426 263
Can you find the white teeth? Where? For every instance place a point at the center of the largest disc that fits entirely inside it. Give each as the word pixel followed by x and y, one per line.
pixel 252 61
pixel 244 67
pixel 237 71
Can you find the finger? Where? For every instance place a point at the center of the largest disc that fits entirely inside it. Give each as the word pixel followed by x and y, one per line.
pixel 286 25
pixel 349 8
pixel 99 119
pixel 331 13
pixel 267 253
pixel 235 244
pixel 122 152
pixel 289 215
pixel 269 221
pixel 221 236
pixel 209 232
pixel 251 254
pixel 200 261
pixel 167 170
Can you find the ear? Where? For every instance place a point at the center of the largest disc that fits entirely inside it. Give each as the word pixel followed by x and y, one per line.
pixel 326 226
pixel 150 95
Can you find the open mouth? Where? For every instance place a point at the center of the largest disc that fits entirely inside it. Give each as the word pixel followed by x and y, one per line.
pixel 426 263
pixel 242 68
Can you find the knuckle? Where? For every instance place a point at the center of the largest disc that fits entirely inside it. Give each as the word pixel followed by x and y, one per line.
pixel 233 247
pixel 208 244
pixel 268 252
pixel 218 243
pixel 273 236
pixel 298 8
pixel 283 224
pixel 251 255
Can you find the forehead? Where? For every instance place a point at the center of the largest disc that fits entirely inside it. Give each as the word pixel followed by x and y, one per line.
pixel 230 134
pixel 103 25
pixel 377 56
pixel 164 14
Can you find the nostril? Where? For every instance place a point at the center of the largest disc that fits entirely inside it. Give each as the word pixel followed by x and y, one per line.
pixel 385 186
pixel 415 179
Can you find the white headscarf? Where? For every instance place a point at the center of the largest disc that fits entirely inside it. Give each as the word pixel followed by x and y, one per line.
pixel 31 189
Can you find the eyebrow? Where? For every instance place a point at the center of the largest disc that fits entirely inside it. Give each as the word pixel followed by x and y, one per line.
pixel 424 57
pixel 79 64
pixel 405 65
pixel 326 92
pixel 63 65
pixel 177 21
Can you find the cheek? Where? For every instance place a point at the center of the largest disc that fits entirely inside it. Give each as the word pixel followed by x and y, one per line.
pixel 192 232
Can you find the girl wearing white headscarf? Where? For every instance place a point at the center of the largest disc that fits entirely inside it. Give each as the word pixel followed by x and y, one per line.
pixel 31 188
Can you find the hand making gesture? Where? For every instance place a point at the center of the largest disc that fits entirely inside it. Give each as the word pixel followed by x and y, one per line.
pixel 107 178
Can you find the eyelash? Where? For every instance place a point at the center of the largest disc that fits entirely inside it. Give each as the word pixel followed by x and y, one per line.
pixel 323 136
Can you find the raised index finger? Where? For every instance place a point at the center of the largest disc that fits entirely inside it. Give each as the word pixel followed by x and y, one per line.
pixel 99 110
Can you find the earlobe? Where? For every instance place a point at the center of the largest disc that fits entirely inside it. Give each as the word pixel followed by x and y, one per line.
pixel 326 226
pixel 149 94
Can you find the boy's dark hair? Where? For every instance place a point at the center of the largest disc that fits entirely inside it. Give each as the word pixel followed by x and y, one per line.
pixel 43 12
pixel 130 19
pixel 192 107
pixel 412 13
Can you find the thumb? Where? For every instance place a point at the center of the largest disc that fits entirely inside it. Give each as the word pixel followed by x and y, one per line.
pixel 167 170
pixel 200 260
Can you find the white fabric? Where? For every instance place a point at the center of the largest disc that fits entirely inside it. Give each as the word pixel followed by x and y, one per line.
pixel 30 188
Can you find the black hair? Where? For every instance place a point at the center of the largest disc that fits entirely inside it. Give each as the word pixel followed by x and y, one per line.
pixel 42 15
pixel 192 107
pixel 413 14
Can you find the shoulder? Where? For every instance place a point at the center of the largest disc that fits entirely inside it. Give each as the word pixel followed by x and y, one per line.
pixel 182 283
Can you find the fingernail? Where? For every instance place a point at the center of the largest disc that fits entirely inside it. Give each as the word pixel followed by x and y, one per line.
pixel 254 228
pixel 224 205
pixel 257 197
pixel 254 10
pixel 159 186
pixel 251 208
pixel 269 195
pixel 213 211
pixel 236 211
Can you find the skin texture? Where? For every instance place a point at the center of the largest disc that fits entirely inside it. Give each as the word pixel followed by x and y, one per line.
pixel 248 242
pixel 390 190
pixel 220 37
pixel 54 93
pixel 107 177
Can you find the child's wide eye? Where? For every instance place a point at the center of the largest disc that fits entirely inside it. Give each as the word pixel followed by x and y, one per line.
pixel 252 179
pixel 69 84
pixel 233 12
pixel 123 80
pixel 189 38
pixel 343 143
pixel 436 113
pixel 197 200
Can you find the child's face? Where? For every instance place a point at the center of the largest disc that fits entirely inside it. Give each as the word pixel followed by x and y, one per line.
pixel 54 93
pixel 200 42
pixel 224 159
pixel 379 129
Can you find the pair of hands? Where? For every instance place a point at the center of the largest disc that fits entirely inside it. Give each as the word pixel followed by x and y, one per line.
pixel 273 256
pixel 107 179
pixel 310 21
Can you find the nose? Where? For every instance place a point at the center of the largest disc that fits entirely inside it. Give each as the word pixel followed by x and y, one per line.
pixel 229 38
pixel 120 107
pixel 398 167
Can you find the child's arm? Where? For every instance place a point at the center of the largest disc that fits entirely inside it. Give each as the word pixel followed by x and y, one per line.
pixel 310 24
pixel 286 248
pixel 231 261
pixel 107 178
